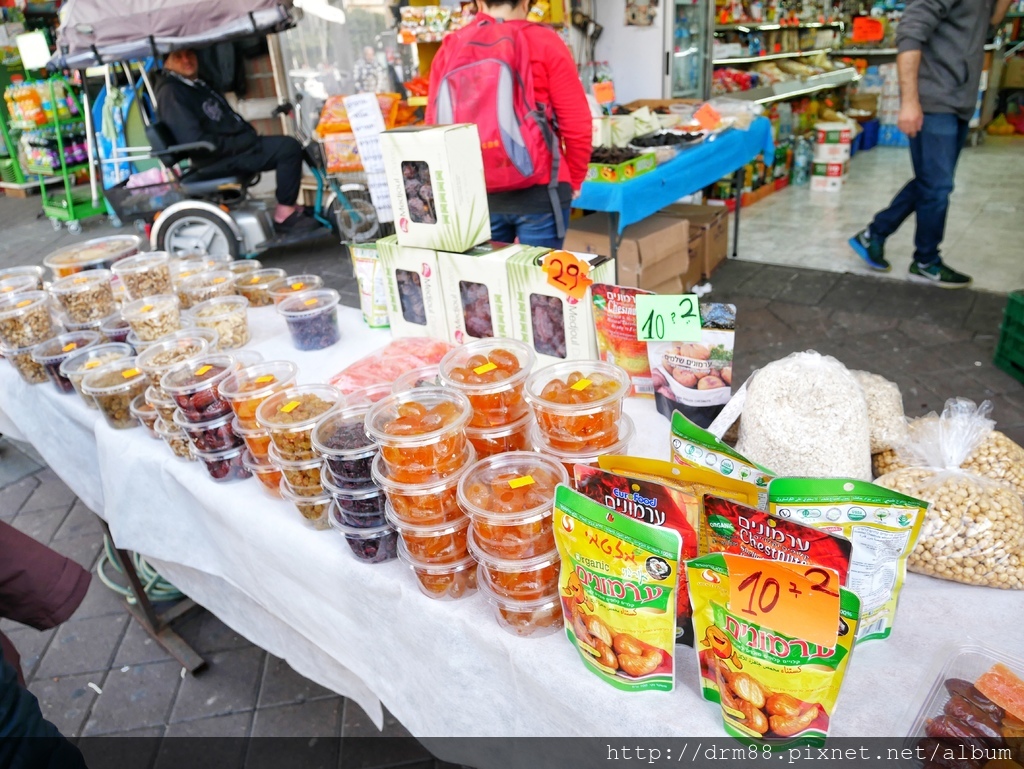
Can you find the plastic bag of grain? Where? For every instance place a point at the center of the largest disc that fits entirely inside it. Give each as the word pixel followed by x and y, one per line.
pixel 885 411
pixel 974 528
pixel 806 415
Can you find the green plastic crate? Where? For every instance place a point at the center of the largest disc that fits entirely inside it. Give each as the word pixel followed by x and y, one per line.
pixel 1010 352
pixel 7 173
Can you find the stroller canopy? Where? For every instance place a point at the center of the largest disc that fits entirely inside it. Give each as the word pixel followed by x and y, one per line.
pixel 94 32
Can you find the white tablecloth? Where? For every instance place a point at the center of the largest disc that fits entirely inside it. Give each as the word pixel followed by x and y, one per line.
pixel 365 631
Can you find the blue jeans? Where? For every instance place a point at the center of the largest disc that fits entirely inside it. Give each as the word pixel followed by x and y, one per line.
pixel 934 152
pixel 531 229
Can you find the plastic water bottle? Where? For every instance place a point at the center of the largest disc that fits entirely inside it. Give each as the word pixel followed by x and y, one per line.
pixel 682 60
pixel 802 156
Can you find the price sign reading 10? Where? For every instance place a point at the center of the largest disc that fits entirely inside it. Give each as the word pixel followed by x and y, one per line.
pixel 668 318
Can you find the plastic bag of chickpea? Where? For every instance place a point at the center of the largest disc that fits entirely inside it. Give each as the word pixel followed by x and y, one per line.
pixel 973 531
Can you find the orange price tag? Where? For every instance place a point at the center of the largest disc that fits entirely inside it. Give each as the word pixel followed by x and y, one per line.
pixel 91 364
pixel 484 368
pixel 6 289
pixel 266 378
pixel 289 407
pixel 219 280
pixel 130 373
pixel 795 600
pixel 708 117
pixel 604 92
pixel 568 273
pixel 80 280
pixel 69 347
pixel 581 385
pixel 518 483
pixel 203 369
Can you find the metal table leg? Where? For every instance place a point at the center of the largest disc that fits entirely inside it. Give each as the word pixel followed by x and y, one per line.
pixel 158 625
pixel 737 186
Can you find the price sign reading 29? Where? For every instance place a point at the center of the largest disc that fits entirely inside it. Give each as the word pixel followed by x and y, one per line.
pixel 667 318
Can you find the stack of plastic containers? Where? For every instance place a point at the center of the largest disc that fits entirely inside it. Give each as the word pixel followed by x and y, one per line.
pixel 424 452
pixel 578 406
pixel 157 360
pixel 52 353
pixel 25 321
pixel 289 417
pixel 509 498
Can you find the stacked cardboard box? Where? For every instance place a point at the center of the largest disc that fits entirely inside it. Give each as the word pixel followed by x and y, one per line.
pixel 832 149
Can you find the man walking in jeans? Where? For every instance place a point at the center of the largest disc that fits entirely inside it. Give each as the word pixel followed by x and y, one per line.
pixel 941 53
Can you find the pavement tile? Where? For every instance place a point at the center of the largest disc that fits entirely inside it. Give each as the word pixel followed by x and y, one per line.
pixel 986 316
pixel 15 464
pixel 1008 410
pixel 997 380
pixel 82 646
pixel 100 601
pixel 14 495
pixel 51 493
pixel 40 524
pixel 227 725
pixel 852 293
pixel 801 318
pixel 138 648
pixel 282 685
pixel 355 723
pixel 137 698
pixel 769 282
pixel 305 753
pixel 808 287
pixel 926 332
pixel 82 550
pixel 843 323
pixel 318 718
pixel 31 644
pixel 230 684
pixel 207 634
pixel 65 701
pixel 80 521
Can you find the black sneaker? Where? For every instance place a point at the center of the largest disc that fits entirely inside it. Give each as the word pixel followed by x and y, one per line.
pixel 938 274
pixel 296 222
pixel 871 251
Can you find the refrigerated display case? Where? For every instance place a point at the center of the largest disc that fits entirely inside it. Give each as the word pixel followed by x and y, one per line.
pixel 688 32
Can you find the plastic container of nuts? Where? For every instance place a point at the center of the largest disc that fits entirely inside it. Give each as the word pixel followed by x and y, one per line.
pixel 146 414
pixel 16 284
pixel 314 510
pixel 578 404
pixel 244 266
pixel 146 274
pixel 92 254
pixel 81 362
pixel 25 271
pixel 341 440
pixel 114 387
pixel 312 318
pixel 194 386
pixel 207 285
pixel 52 353
pixel 267 474
pixel 370 545
pixel 255 286
pixel 491 373
pixel 25 319
pixel 175 439
pixel 164 405
pixel 23 362
pixel 423 504
pixel 160 357
pixel 248 388
pixel 228 316
pixel 421 432
pixel 188 332
pixel 153 316
pixel 532 618
pixel 257 441
pixel 442 582
pixel 287 285
pixel 85 296
pixel 115 328
pixel 291 415
pixel 224 465
pixel 212 435
pixel 303 475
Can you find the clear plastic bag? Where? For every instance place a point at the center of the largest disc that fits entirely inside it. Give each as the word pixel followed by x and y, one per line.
pixel 885 411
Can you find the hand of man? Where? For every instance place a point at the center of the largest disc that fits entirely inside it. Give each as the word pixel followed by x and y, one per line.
pixel 576 194
pixel 911 118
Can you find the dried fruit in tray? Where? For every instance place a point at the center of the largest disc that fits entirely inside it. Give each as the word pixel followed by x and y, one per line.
pixel 248 388
pixel 577 407
pixel 291 415
pixel 390 362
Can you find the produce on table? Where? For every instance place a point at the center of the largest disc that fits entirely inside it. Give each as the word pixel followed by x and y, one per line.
pixel 86 296
pixel 578 404
pixel 146 274
pixel 491 373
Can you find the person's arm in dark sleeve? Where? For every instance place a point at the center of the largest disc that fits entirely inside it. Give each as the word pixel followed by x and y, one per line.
pixel 571 110
pixel 918 22
pixel 177 114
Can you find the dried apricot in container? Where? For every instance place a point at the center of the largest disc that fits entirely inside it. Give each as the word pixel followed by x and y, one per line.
pixel 510 498
pixel 257 441
pixel 423 504
pixel 291 415
pixel 267 474
pixel 569 459
pixel 442 582
pixel 532 618
pixel 524 579
pixel 442 543
pixel 497 440
pixel 578 404
pixel 245 390
pixel 491 373
pixel 421 433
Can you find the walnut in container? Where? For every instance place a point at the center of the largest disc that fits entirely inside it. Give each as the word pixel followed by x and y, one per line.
pixel 52 353
pixel 255 286
pixel 17 284
pixel 146 274
pixel 153 316
pixel 86 296
pixel 25 319
pixel 290 416
pixel 228 316
pixel 33 271
pixel 175 439
pixel 81 362
pixel 114 387
pixel 23 362
pixel 207 285
pixel 160 357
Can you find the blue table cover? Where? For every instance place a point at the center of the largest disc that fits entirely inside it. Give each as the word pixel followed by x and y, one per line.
pixel 691 170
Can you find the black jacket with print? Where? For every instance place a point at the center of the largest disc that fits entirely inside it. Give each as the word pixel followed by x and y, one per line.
pixel 196 112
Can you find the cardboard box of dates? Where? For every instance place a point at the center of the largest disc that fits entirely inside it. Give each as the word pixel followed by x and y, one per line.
pixel 413 281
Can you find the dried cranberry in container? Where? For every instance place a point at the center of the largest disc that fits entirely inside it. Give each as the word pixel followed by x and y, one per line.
pixel 369 544
pixel 312 318
pixel 361 507
pixel 340 438
pixel 224 465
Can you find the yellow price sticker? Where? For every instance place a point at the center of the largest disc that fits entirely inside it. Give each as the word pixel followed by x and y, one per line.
pixel 146 308
pixel 69 347
pixel 219 280
pixel 289 407
pixel 522 480
pixel 581 385
pixel 265 379
pixel 6 289
pixel 203 369
pixel 484 368
pixel 24 303
pixel 255 279
pixel 298 286
pixel 132 372
pixel 310 302
pixel 92 364
pixel 80 280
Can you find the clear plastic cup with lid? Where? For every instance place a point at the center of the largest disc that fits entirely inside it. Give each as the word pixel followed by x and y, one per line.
pixel 422 432
pixel 194 385
pixel 86 296
pixel 291 414
pixel 424 376
pixel 521 579
pixel 578 403
pixel 228 316
pixel 160 357
pixel 224 465
pixel 246 389
pixel 314 510
pixel 367 396
pixel 114 387
pixel 265 472
pixel 302 475
pixel 375 544
pixel 52 353
pixel 164 405
pixel 25 270
pixel 153 317
pixel 186 268
pixel 423 504
pixel 17 284
pixel 146 414
pixel 340 438
pixel 255 286
pixel 115 328
pixel 358 506
pixel 491 373
pixel 207 285
pixel 25 319
pixel 510 498
pixel 517 436
pixel 81 362
pixel 23 362
pixel 244 266
pixel 91 254
pixel 312 318
pixel 287 285
pixel 174 438
pixel 442 581
pixel 246 358
pixel 257 441
pixel 532 618
pixel 145 274
pixel 212 435
pixel 438 543
pixel 568 459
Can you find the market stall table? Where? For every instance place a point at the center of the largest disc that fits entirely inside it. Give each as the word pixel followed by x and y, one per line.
pixel 690 171
pixel 366 631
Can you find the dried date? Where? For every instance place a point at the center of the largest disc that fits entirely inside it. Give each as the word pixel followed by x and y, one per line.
pixel 548 322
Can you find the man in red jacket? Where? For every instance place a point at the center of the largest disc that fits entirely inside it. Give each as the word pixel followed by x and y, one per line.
pixel 536 215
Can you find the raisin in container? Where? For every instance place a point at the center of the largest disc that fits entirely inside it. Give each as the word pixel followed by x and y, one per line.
pixel 114 387
pixel 510 498
pixel 314 510
pixel 145 274
pixel 361 507
pixel 52 353
pixel 85 297
pixel 445 581
pixel 194 386
pixel 224 465
pixel 517 436
pixel 341 440
pixel 423 504
pixel 81 362
pixel 312 318
pixel 257 441
pixel 302 475
pixel 422 433
pixel 533 618
pixel 266 473
pixel 370 545
pixel 578 404
pixel 491 373
pixel 625 430
pixel 441 543
pixel 209 436
pixel 291 414
pixel 248 388
pixel 286 285
pixel 255 286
